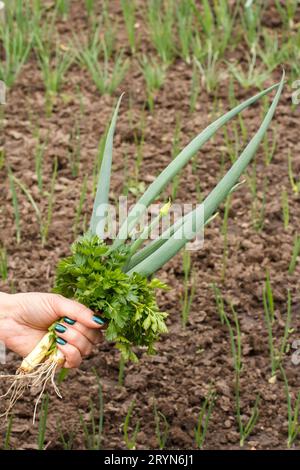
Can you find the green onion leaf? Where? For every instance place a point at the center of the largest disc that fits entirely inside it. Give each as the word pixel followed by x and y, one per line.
pixel 98 220
pixel 177 164
pixel 194 222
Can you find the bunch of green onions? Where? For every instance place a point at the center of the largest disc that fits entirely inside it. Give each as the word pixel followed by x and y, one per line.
pixel 129 262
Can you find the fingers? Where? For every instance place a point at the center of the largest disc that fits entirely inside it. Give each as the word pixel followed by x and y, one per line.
pixel 75 311
pixel 93 335
pixel 72 355
pixel 73 336
pixel 78 330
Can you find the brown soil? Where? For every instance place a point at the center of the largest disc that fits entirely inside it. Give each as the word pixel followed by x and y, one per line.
pixel 178 378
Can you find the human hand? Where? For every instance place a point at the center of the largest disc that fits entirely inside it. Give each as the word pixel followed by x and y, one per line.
pixel 25 319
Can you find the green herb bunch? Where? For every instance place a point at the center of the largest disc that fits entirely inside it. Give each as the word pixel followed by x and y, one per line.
pixel 115 280
pixel 93 276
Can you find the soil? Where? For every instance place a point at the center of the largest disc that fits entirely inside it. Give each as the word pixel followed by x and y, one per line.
pixel 192 360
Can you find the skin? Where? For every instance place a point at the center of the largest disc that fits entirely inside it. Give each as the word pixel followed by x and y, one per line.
pixel 25 318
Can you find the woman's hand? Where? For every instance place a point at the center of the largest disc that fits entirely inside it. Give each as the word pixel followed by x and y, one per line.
pixel 25 318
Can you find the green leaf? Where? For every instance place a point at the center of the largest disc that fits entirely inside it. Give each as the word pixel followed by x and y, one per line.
pixel 98 220
pixel 177 164
pixel 111 332
pixel 99 283
pixel 147 323
pixel 62 375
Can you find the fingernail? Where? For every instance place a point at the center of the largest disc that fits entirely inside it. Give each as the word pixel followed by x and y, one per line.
pixel 69 321
pixel 61 341
pixel 60 328
pixel 98 320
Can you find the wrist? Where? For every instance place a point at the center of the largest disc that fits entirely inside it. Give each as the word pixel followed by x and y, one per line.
pixel 6 310
pixel 5 305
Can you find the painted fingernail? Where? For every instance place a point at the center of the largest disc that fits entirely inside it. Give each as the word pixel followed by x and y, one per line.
pixel 60 328
pixel 100 321
pixel 69 321
pixel 61 341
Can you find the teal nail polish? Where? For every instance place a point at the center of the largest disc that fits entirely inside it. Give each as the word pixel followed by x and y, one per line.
pixel 61 341
pixel 60 328
pixel 98 320
pixel 69 321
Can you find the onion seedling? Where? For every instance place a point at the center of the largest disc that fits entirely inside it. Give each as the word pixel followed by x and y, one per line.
pixel 225 237
pixel 162 428
pixel 245 428
pixel 232 144
pixel 8 433
pixel 107 78
pixel 175 151
pixel 74 153
pixel 292 412
pixel 161 16
pixel 203 419
pixel 130 441
pixel 287 11
pixel 79 208
pixel 107 30
pixel 254 75
pixel 294 184
pixel 258 207
pixel 93 432
pixel 3 263
pixel 17 45
pixel 154 75
pixel 90 8
pixel 44 224
pixel 43 422
pixel 139 141
pixel 50 202
pixel 2 157
pixel 285 208
pixel 269 298
pixel 251 17
pixel 295 254
pixel 189 288
pixel 271 52
pixel 216 22
pixel 121 373
pixel 15 204
pixel 185 17
pixel 115 279
pixel 276 354
pixel 209 70
pixel 219 302
pixel 270 146
pixel 95 53
pixel 129 8
pixel 53 69
pixel 66 437
pixel 63 7
pixel 39 159
pixel 195 87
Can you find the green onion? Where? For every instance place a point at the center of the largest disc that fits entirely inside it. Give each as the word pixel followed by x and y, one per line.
pixel 163 254
pixel 179 162
pixel 113 280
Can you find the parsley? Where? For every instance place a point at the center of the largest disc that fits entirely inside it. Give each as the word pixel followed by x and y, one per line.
pixel 93 275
